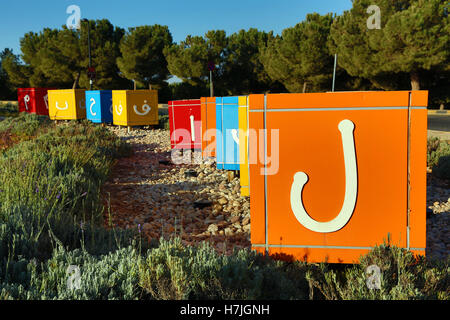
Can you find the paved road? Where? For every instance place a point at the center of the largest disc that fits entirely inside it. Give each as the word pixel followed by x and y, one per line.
pixel 439 122
pixel 439 125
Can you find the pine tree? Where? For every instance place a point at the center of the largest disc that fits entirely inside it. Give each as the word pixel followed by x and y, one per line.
pixel 105 40
pixel 189 59
pixel 59 57
pixel 16 73
pixel 413 38
pixel 142 57
pixel 243 71
pixel 6 88
pixel 299 59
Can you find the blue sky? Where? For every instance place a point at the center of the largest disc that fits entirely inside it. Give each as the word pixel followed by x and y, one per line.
pixel 183 17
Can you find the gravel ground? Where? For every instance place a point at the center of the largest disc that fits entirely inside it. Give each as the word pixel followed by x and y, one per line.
pixel 159 199
pixel 438 219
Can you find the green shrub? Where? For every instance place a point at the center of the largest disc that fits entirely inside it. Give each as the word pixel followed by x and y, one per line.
pixel 171 271
pixel 26 124
pixel 51 213
pixel 403 277
pixel 8 110
pixel 436 148
pixel 442 169
pixel 175 271
pixel 27 235
pixel 164 122
pixel 51 184
pixel 112 276
pixel 59 172
pixel 438 157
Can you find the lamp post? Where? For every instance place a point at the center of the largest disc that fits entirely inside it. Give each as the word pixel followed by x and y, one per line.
pixel 334 72
pixel 89 52
pixel 211 67
pixel 211 88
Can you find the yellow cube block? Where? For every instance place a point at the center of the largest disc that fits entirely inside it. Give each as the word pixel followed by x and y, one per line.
pixel 69 104
pixel 243 146
pixel 135 107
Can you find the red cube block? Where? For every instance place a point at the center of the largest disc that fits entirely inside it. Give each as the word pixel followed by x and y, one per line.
pixel 33 100
pixel 185 124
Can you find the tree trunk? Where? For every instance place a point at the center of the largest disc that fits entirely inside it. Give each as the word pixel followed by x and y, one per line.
pixel 149 86
pixel 75 83
pixel 304 86
pixel 134 84
pixel 415 84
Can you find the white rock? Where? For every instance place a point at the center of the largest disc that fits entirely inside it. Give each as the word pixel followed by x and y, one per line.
pixel 213 228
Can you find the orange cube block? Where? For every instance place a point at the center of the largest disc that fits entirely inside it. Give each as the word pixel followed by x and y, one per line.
pixel 208 116
pixel 337 173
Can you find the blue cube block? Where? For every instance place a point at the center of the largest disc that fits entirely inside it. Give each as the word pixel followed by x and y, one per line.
pixel 99 106
pixel 227 126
